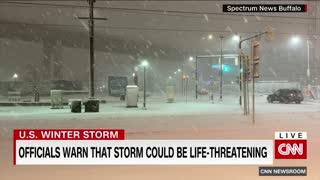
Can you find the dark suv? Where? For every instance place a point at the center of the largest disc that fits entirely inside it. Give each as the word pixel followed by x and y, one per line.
pixel 286 96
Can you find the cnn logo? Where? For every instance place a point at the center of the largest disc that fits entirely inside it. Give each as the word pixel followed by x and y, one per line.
pixel 290 145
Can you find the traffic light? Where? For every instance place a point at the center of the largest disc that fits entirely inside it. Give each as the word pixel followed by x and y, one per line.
pixel 226 68
pixel 247 70
pixel 269 34
pixel 215 66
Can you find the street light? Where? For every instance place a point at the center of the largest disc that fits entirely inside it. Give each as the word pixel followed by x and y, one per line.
pixel 179 70
pixel 295 40
pixel 15 76
pixel 236 37
pixel 144 65
pixel 210 36
pixel 190 58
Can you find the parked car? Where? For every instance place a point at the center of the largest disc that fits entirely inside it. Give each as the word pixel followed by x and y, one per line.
pixel 203 92
pixel 286 96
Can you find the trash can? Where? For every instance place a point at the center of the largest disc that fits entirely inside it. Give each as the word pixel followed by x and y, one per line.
pixel 122 97
pixel 91 105
pixel 56 99
pixel 76 106
pixel 132 96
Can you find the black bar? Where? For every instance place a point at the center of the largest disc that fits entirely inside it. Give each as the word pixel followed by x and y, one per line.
pixel 251 8
pixel 283 171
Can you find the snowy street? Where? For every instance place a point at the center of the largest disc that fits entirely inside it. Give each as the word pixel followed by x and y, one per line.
pixel 202 120
pixel 157 107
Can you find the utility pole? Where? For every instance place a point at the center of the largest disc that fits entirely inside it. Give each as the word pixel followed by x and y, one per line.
pixel 308 61
pixel 91 39
pixel 240 72
pixel 144 65
pixel 144 87
pixel 182 79
pixel 91 19
pixel 186 91
pixel 212 86
pixel 196 76
pixel 244 82
pixel 253 89
pixel 92 105
pixel 221 64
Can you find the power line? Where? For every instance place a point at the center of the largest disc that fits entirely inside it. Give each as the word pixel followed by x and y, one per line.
pixel 146 29
pixel 164 12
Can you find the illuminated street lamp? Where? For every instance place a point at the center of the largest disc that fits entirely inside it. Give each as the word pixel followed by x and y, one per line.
pixel 295 40
pixel 144 64
pixel 236 37
pixel 190 58
pixel 15 76
pixel 210 36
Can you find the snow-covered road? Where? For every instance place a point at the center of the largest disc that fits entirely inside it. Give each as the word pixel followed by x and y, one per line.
pixel 155 107
pixel 201 120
